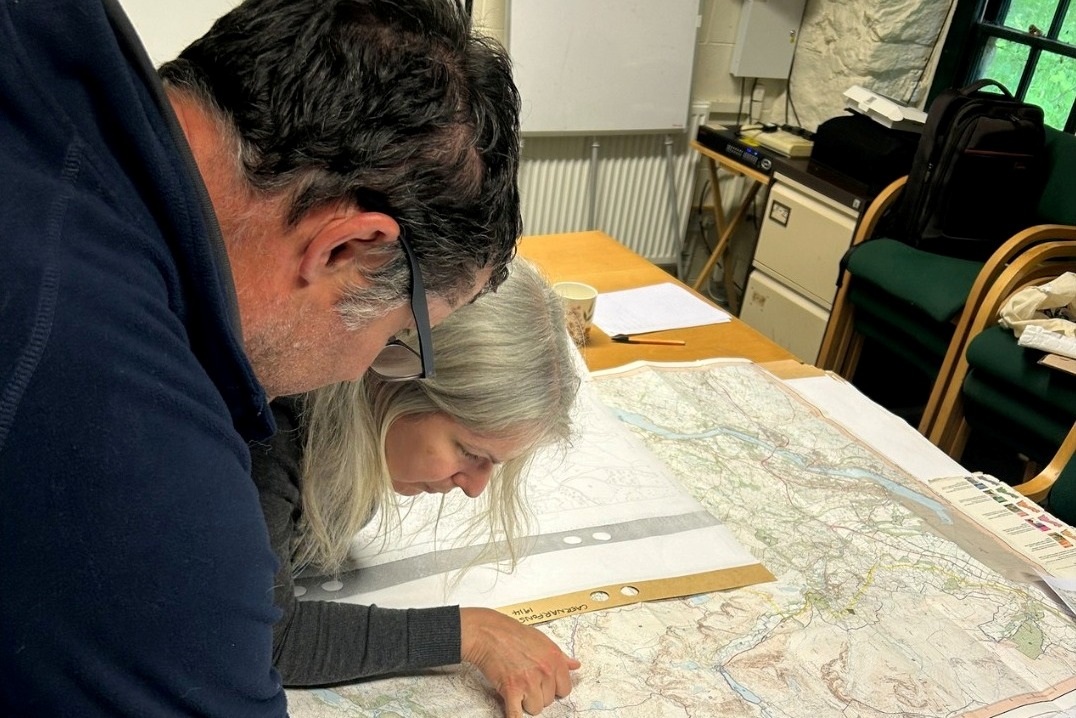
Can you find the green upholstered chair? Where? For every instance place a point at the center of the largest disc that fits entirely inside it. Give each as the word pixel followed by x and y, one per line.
pixel 998 387
pixel 1012 398
pixel 912 302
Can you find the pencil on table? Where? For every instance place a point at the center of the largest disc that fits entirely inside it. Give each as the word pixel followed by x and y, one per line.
pixel 626 339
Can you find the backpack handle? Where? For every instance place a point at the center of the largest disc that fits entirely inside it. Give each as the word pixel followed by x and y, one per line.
pixel 980 84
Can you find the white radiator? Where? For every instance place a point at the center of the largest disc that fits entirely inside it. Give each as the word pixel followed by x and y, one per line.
pixel 632 201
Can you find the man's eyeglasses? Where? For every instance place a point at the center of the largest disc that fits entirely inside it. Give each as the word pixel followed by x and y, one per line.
pixel 397 361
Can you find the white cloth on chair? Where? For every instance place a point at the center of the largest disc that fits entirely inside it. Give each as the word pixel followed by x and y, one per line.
pixel 1050 306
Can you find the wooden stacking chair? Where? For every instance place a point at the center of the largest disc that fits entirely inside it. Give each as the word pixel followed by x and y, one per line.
pixel 1055 485
pixel 913 303
pixel 998 387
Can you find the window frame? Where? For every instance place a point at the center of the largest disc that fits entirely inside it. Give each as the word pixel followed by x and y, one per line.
pixel 974 24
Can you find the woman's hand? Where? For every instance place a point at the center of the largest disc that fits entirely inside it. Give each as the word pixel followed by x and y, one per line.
pixel 522 663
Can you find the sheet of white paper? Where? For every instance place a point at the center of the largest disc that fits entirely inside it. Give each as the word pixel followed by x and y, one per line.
pixel 653 309
pixel 884 431
pixel 419 583
pixel 608 511
pixel 1028 529
pixel 1063 588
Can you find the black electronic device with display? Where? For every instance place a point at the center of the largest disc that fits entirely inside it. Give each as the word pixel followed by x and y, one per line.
pixel 727 142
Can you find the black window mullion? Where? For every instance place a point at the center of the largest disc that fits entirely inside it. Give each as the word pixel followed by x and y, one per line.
pixel 1040 42
pixel 994 11
pixel 975 25
pixel 979 39
pixel 1059 19
pixel 1029 71
pixel 1055 32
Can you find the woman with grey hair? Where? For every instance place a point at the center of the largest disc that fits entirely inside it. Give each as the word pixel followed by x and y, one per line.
pixel 505 384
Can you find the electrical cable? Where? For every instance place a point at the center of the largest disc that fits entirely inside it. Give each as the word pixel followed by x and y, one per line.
pixel 791 65
pixel 751 104
pixel 739 109
pixel 699 215
pixel 788 94
pixel 708 290
pixel 795 114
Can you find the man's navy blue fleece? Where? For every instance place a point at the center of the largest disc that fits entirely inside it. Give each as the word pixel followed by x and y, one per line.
pixel 135 569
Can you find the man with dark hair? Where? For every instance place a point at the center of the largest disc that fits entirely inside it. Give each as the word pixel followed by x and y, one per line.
pixel 311 179
pixel 312 112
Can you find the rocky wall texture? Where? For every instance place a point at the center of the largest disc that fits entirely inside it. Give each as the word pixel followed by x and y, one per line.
pixel 884 45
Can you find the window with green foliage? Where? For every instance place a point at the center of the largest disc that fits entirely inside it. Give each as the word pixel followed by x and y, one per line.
pixel 1027 45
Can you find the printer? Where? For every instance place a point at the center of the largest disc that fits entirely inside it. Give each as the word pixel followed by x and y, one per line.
pixel 874 143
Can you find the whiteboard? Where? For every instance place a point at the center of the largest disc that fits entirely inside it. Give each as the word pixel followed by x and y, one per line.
pixel 603 66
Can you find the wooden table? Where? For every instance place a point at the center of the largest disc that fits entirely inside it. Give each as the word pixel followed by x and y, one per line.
pixel 869 581
pixel 599 260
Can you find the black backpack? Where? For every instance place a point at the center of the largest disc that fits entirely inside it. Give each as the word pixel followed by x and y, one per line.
pixel 978 170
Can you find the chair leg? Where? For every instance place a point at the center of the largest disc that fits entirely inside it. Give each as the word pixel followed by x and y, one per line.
pixel 940 387
pixel 948 420
pixel 852 355
pixel 1037 488
pixel 959 441
pixel 832 355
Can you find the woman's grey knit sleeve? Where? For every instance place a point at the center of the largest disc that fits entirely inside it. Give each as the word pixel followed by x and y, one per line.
pixel 319 642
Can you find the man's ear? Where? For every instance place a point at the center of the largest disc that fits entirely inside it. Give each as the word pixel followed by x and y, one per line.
pixel 346 242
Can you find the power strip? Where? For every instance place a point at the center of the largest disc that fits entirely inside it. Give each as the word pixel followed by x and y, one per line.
pixel 786 143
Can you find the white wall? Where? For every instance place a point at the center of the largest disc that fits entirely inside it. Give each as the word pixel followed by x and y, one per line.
pixel 168 26
pixel 883 44
pixel 889 46
pixel 886 45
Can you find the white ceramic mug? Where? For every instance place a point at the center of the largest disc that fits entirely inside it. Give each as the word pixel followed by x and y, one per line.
pixel 579 300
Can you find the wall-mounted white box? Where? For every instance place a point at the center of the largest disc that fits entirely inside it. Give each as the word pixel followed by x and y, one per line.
pixel 766 39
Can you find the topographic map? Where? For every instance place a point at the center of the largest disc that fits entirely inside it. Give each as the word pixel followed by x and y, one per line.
pixel 876 611
pixel 608 520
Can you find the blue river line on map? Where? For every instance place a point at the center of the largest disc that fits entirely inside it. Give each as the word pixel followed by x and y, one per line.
pixel 645 424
